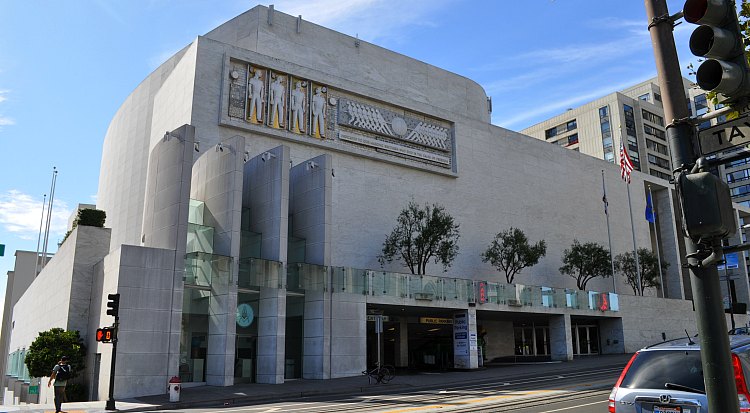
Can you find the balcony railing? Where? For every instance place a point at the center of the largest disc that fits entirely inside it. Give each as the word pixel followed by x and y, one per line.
pixel 256 273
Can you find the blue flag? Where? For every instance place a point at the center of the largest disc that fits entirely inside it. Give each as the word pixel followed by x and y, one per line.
pixel 650 216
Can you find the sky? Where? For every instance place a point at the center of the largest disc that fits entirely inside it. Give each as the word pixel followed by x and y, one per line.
pixel 67 66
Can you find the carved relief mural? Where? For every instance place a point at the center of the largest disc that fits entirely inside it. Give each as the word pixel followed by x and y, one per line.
pixel 298 105
pixel 318 105
pixel 277 100
pixel 301 107
pixel 256 87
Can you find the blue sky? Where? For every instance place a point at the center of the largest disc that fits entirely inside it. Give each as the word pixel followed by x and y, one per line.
pixel 66 66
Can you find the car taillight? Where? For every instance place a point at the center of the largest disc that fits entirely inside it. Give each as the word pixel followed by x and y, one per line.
pixel 739 380
pixel 613 394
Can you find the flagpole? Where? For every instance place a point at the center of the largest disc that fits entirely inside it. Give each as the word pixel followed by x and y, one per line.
pixel 635 246
pixel 656 234
pixel 609 235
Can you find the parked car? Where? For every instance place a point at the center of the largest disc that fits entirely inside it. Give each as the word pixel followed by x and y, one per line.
pixel 668 378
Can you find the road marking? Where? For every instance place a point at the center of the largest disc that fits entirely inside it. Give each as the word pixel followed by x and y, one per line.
pixel 573 407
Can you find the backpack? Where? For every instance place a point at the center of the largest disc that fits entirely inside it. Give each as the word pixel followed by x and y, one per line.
pixel 63 373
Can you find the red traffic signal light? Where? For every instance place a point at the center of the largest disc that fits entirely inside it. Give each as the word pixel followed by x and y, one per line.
pixel 105 334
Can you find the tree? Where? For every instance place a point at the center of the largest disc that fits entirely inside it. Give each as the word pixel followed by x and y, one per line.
pixel 510 252
pixel 649 263
pixel 422 234
pixel 50 346
pixel 585 262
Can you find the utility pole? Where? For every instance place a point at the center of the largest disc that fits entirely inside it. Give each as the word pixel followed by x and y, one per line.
pixel 704 275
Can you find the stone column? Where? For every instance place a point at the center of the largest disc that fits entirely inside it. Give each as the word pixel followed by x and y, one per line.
pixel 271 335
pixel 403 343
pixel 317 351
pixel 561 339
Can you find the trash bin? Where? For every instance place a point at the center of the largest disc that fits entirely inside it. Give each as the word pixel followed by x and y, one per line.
pixel 174 389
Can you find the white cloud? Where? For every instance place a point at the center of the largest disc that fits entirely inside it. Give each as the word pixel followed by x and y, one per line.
pixel 5 121
pixel 21 214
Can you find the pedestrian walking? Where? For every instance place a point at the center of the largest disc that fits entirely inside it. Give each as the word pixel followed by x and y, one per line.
pixel 61 375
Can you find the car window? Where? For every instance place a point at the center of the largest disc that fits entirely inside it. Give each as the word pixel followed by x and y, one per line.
pixel 652 369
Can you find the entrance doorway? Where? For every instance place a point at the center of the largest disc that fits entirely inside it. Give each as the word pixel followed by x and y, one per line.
pixel 585 339
pixel 531 340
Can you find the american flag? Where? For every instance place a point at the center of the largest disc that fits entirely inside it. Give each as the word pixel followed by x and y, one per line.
pixel 626 165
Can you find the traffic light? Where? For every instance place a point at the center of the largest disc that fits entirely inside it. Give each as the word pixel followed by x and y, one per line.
pixel 113 305
pixel 719 39
pixel 105 334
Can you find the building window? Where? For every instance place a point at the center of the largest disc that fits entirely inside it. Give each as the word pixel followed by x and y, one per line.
pixel 650 130
pixel 740 190
pixel 632 136
pixel 738 162
pixel 721 118
pixel 607 145
pixel 652 117
pixel 657 97
pixel 573 139
pixel 737 176
pixel 644 97
pixel 660 162
pixel 656 146
pixel 659 174
pixel 560 129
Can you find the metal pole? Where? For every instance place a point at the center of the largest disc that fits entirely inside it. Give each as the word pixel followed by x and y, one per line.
pixel 638 280
pixel 715 355
pixel 49 215
pixel 111 401
pixel 39 238
pixel 609 235
pixel 656 234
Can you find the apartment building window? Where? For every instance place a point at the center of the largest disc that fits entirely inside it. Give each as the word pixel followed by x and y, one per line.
pixel 737 163
pixel 632 136
pixel 573 139
pixel 701 108
pixel 721 118
pixel 740 190
pixel 607 143
pixel 657 97
pixel 560 129
pixel 738 176
pixel 644 97
pixel 656 146
pixel 660 162
pixel 656 132
pixel 652 117
pixel 659 174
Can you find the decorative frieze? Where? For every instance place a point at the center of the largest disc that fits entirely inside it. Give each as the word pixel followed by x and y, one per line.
pixel 302 107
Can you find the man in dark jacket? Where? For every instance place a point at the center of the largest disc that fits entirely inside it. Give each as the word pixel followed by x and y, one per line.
pixel 64 369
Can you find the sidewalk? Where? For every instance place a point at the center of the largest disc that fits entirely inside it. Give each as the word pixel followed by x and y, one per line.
pixel 246 393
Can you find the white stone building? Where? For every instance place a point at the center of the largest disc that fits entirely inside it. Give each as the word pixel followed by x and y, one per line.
pixel 249 183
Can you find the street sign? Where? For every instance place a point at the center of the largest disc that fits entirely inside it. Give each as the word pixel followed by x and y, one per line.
pixel 726 135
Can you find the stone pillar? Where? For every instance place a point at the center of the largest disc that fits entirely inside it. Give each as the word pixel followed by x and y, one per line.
pixel 317 351
pixel 670 237
pixel 271 336
pixel 403 343
pixel 561 339
pixel 217 180
pixel 465 353
pixel 612 336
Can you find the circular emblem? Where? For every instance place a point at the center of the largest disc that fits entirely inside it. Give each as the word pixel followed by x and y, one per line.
pixel 245 315
pixel 399 126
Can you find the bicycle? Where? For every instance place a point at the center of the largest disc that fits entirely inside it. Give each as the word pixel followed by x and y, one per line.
pixel 381 374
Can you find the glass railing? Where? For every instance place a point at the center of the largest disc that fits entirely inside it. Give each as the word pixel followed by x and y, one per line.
pixel 349 280
pixel 256 273
pixel 200 238
pixel 432 288
pixel 201 268
pixel 306 277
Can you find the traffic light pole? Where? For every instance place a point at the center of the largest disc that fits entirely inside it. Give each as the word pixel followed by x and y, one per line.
pixel 111 401
pixel 714 340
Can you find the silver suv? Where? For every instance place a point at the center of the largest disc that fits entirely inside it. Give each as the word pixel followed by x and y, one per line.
pixel 668 378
